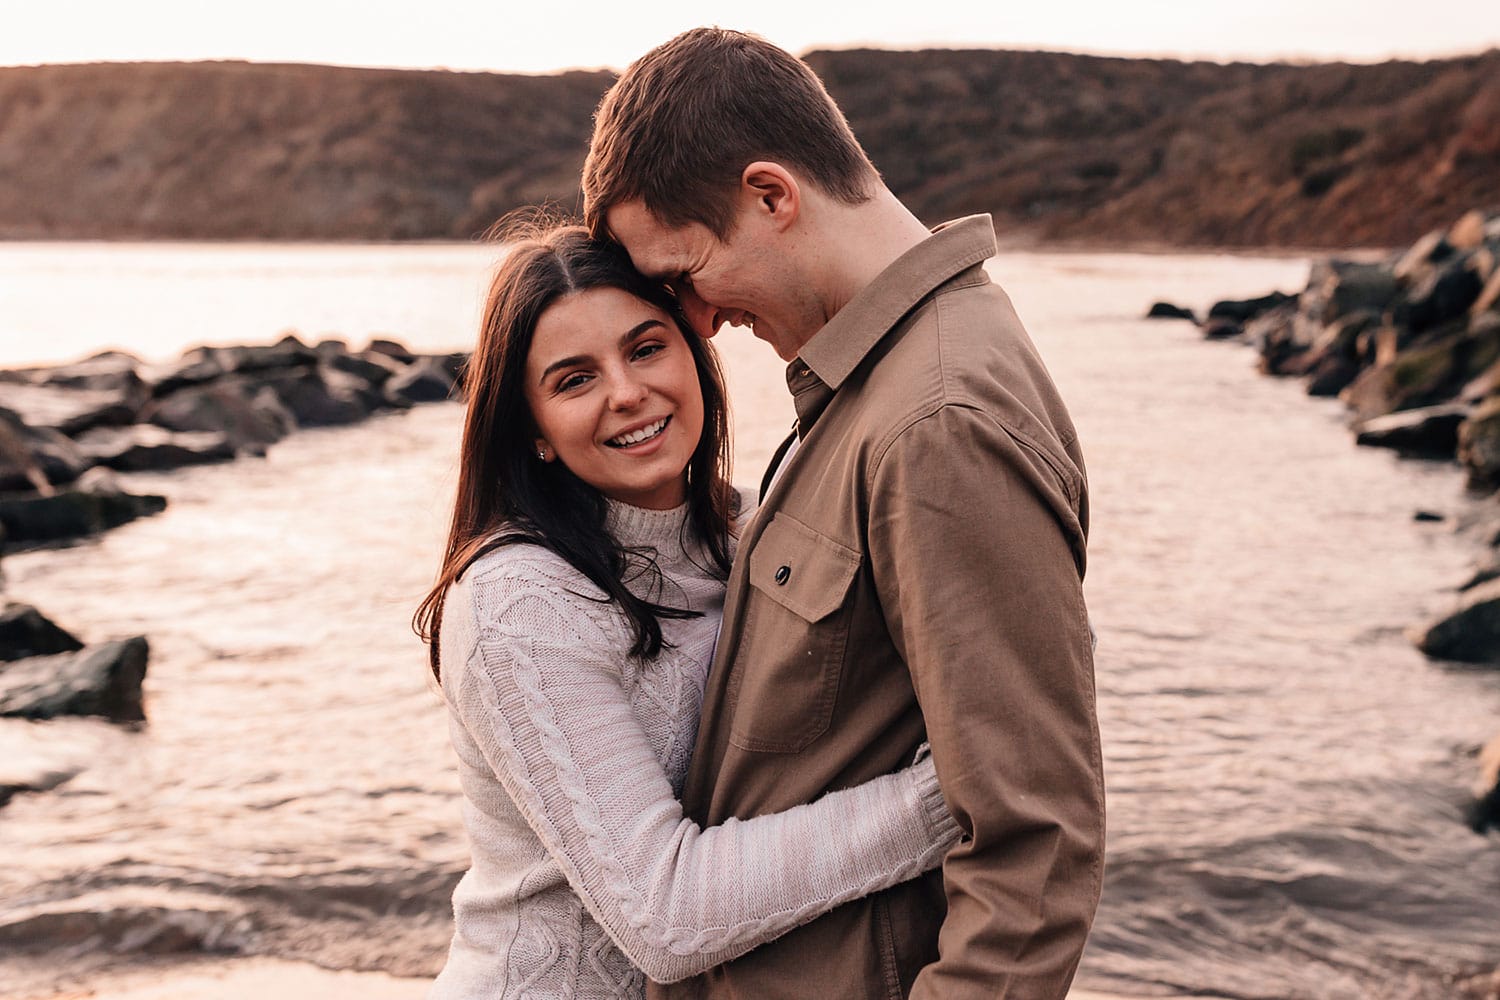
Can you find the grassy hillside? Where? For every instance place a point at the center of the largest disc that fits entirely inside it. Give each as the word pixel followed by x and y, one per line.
pixel 1058 147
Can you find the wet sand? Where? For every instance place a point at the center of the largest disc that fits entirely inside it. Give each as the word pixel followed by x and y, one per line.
pixel 257 978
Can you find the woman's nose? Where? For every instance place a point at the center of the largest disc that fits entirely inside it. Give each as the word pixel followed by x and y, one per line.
pixel 626 392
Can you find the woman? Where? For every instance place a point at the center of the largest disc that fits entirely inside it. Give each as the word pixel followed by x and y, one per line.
pixel 571 626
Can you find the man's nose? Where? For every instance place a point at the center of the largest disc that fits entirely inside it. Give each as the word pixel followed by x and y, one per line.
pixel 702 317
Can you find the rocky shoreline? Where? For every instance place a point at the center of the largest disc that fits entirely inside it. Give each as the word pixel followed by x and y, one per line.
pixel 1411 345
pixel 66 430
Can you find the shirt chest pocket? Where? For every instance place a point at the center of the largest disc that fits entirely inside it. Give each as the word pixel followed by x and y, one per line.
pixel 791 654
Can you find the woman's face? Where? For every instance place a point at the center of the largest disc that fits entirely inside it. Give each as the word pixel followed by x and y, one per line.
pixel 615 396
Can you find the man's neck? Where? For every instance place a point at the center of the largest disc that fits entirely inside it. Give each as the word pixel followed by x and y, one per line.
pixel 855 243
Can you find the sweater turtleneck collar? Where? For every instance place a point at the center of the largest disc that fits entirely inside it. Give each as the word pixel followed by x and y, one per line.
pixel 638 526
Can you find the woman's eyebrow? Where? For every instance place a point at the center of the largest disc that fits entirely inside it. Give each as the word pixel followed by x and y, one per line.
pixel 578 359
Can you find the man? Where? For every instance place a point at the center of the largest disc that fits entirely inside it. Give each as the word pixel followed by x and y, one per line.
pixel 914 571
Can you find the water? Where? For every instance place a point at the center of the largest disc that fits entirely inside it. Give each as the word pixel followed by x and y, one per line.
pixel 1285 772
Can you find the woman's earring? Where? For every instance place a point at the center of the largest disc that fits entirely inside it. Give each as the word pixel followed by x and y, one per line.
pixel 541 454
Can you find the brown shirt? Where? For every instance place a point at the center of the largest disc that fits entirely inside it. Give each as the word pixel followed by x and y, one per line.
pixel 916 573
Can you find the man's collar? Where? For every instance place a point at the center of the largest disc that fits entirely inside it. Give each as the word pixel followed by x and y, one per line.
pixel 842 343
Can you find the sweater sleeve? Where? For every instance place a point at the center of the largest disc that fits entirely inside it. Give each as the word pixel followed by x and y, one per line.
pixel 540 691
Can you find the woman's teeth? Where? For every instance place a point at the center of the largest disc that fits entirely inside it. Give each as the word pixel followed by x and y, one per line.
pixel 636 437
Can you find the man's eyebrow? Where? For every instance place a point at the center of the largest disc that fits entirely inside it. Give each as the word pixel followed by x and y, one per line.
pixel 578 359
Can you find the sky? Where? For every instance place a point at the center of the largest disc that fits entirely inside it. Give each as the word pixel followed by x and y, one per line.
pixel 538 36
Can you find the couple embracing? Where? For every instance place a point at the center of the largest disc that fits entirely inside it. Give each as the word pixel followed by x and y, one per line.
pixel 830 738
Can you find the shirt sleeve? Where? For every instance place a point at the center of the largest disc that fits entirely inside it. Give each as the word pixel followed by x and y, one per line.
pixel 976 545
pixel 542 695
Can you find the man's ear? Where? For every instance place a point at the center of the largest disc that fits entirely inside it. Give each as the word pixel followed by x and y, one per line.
pixel 774 191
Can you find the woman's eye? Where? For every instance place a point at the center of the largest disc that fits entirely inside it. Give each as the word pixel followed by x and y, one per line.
pixel 646 350
pixel 572 382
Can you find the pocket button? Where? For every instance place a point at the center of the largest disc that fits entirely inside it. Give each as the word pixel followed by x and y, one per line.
pixel 783 575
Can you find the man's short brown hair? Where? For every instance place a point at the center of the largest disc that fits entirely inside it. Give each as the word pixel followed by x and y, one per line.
pixel 682 123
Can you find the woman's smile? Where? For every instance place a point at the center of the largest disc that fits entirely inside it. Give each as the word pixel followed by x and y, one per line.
pixel 614 392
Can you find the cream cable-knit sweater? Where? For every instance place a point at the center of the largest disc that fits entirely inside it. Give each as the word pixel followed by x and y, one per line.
pixel 571 756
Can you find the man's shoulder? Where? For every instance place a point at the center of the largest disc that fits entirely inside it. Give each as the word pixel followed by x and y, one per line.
pixel 965 346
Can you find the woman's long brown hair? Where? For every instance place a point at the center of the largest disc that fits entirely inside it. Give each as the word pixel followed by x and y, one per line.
pixel 505 495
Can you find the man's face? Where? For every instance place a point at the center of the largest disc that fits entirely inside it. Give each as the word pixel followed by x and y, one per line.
pixel 743 281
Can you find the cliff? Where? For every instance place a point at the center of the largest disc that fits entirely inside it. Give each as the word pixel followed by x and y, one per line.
pixel 1058 147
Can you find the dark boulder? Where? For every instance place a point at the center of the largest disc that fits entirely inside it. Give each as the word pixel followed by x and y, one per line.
pixel 100 680
pixel 1484 810
pixel 250 417
pixel 1429 432
pixel 425 381
pixel 1442 296
pixel 146 447
pixel 70 411
pixel 322 396
pixel 25 631
pixel 1222 328
pixel 1242 310
pixel 34 457
pixel 30 519
pixel 392 350
pixel 183 373
pixel 1471 632
pixel 1166 310
pixel 108 371
pixel 1355 287
pixel 1434 369
pixel 1479 445
pixel 371 366
pixel 288 352
pixel 1420 259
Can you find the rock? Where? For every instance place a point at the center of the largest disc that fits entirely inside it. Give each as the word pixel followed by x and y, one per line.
pixel 1331 376
pixel 1468 232
pixel 329 348
pixel 101 680
pixel 1445 294
pixel 1488 296
pixel 1354 287
pixel 183 373
pixel 1280 336
pixel 1484 572
pixel 392 350
pixel 29 519
pixel 1222 328
pixel 1484 811
pixel 1427 251
pixel 1241 310
pixel 1428 517
pixel 146 447
pixel 288 352
pixel 1429 432
pixel 454 364
pixel 425 381
pixel 1478 446
pixel 323 397
pixel 110 371
pixel 1166 310
pixel 1433 370
pixel 24 632
pixel 71 411
pixel 249 416
pixel 36 458
pixel 371 366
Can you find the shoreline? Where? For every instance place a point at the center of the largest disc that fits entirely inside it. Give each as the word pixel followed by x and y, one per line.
pixel 252 978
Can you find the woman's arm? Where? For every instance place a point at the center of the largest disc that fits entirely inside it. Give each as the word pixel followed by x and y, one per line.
pixel 541 694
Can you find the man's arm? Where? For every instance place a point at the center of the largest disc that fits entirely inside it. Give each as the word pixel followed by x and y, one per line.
pixel 976 548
